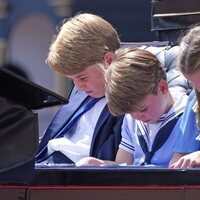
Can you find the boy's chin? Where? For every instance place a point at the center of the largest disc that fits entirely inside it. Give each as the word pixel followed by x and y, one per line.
pixel 95 95
pixel 151 121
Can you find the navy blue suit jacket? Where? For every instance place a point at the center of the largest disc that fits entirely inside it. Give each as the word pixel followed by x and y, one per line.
pixel 107 133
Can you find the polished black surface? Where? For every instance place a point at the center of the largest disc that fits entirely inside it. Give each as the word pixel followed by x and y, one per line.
pixel 115 176
pixel 25 92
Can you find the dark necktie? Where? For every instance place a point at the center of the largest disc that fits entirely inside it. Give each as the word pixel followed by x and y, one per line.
pixel 72 122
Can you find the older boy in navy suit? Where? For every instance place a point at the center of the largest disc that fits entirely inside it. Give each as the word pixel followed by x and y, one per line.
pixel 84 45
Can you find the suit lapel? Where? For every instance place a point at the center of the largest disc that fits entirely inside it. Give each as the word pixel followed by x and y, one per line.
pixel 63 116
pixel 103 117
pixel 67 111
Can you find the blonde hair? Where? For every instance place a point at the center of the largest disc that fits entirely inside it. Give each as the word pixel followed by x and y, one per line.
pixel 133 74
pixel 82 41
pixel 189 59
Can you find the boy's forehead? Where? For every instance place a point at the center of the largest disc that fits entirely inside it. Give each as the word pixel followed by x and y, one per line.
pixel 88 70
pixel 77 75
pixel 146 101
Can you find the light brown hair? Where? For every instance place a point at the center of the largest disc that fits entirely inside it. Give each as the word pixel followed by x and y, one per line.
pixel 133 74
pixel 189 58
pixel 82 41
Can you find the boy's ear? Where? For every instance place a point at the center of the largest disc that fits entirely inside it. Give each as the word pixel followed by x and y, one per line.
pixel 163 85
pixel 108 57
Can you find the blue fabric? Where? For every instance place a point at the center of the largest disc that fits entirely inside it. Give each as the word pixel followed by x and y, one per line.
pixel 62 117
pixel 59 157
pixel 72 122
pixel 161 137
pixel 187 130
pixel 77 116
pixel 107 133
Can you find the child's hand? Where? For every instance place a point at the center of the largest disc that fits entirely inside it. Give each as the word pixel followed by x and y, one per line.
pixel 188 161
pixel 89 161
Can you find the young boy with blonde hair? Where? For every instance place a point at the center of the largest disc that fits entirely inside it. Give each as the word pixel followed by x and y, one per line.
pixel 85 126
pixel 136 84
pixel 83 40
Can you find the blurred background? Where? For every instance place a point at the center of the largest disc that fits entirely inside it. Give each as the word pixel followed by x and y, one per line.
pixel 27 28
